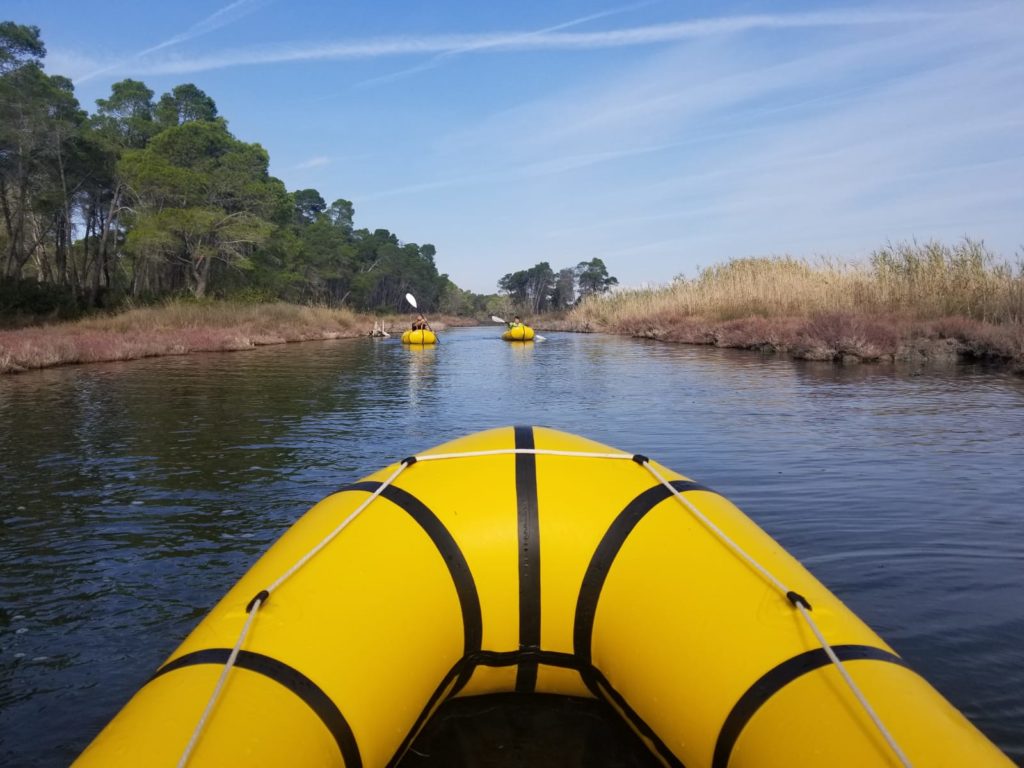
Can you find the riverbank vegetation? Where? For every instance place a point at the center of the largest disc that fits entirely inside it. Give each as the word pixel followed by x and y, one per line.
pixel 540 289
pixel 180 327
pixel 908 301
pixel 150 198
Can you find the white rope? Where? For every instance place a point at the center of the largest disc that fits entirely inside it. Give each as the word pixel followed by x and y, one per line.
pixel 219 687
pixel 531 451
pixel 341 526
pixel 718 532
pixel 796 600
pixel 260 599
pixel 853 686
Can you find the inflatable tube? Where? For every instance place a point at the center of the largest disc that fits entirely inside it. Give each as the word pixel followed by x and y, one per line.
pixel 519 333
pixel 424 336
pixel 526 559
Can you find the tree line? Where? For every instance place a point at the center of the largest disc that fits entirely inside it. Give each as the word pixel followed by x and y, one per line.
pixel 148 198
pixel 541 289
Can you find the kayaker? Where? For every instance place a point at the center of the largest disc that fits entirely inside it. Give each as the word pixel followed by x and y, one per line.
pixel 516 322
pixel 420 324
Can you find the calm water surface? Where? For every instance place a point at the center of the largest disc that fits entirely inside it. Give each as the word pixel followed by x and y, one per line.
pixel 134 494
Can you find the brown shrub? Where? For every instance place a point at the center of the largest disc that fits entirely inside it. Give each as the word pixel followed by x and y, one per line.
pixel 846 334
pixel 173 329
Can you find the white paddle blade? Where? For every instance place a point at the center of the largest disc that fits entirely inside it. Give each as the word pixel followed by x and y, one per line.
pixel 497 319
pixel 411 299
pixel 538 337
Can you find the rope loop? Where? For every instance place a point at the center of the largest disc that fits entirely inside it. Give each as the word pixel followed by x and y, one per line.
pixel 258 601
pixel 797 599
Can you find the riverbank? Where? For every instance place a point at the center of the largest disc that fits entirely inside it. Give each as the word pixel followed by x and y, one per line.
pixel 179 328
pixel 910 303
pixel 846 338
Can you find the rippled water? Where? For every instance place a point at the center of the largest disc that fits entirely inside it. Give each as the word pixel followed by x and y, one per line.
pixel 134 494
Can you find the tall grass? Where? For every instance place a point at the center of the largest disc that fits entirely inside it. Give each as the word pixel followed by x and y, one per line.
pixel 275 317
pixel 176 328
pixel 906 281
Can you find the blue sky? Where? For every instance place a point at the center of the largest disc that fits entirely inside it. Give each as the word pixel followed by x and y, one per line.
pixel 659 136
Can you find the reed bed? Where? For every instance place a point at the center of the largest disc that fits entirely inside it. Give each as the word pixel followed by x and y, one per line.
pixel 908 300
pixel 176 315
pixel 175 328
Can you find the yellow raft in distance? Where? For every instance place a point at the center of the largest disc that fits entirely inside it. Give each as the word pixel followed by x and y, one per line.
pixel 518 333
pixel 527 559
pixel 419 336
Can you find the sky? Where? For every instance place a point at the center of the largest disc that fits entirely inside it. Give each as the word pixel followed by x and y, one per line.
pixel 661 136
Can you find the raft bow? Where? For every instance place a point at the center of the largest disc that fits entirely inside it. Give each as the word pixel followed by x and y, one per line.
pixel 531 560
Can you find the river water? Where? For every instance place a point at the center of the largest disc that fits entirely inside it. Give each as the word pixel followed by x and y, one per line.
pixel 134 494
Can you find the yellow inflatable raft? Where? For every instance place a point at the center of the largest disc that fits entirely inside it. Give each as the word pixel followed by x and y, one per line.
pixel 424 336
pixel 518 333
pixel 526 559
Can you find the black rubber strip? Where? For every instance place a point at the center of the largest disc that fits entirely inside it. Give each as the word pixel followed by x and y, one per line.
pixel 603 689
pixel 463 670
pixel 604 555
pixel 462 577
pixel 529 558
pixel 778 678
pixel 460 670
pixel 290 678
pixel 533 656
pixel 592 678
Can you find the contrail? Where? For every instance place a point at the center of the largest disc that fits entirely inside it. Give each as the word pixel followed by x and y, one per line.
pixel 447 45
pixel 214 21
pixel 438 58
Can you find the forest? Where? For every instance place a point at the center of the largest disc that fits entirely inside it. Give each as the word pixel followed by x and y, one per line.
pixel 149 198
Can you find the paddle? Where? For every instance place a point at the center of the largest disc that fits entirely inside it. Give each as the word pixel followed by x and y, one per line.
pixel 412 300
pixel 536 336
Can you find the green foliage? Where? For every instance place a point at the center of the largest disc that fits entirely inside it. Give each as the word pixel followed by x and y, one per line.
pixel 455 301
pixel 539 289
pixel 126 118
pixel 531 288
pixel 592 278
pixel 563 295
pixel 201 195
pixel 144 200
pixel 20 298
pixel 308 205
pixel 250 294
pixel 19 45
pixel 184 104
pixel 40 134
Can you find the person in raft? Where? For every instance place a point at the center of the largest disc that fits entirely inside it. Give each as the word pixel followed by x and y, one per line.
pixel 419 324
pixel 516 322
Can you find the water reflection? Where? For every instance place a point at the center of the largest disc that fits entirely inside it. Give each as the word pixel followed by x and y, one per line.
pixel 421 375
pixel 135 494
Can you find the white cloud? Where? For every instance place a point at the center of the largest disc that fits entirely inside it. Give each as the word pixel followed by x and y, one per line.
pixel 478 47
pixel 71 63
pixel 220 18
pixel 732 147
pixel 314 162
pixel 552 39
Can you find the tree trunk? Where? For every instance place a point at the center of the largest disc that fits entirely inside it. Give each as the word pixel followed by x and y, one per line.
pixel 63 234
pixel 202 276
pixel 101 251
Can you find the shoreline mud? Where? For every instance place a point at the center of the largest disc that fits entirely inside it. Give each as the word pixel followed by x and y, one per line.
pixel 181 329
pixel 838 337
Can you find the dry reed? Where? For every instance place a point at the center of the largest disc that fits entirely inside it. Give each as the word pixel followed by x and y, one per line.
pixel 889 307
pixel 176 328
